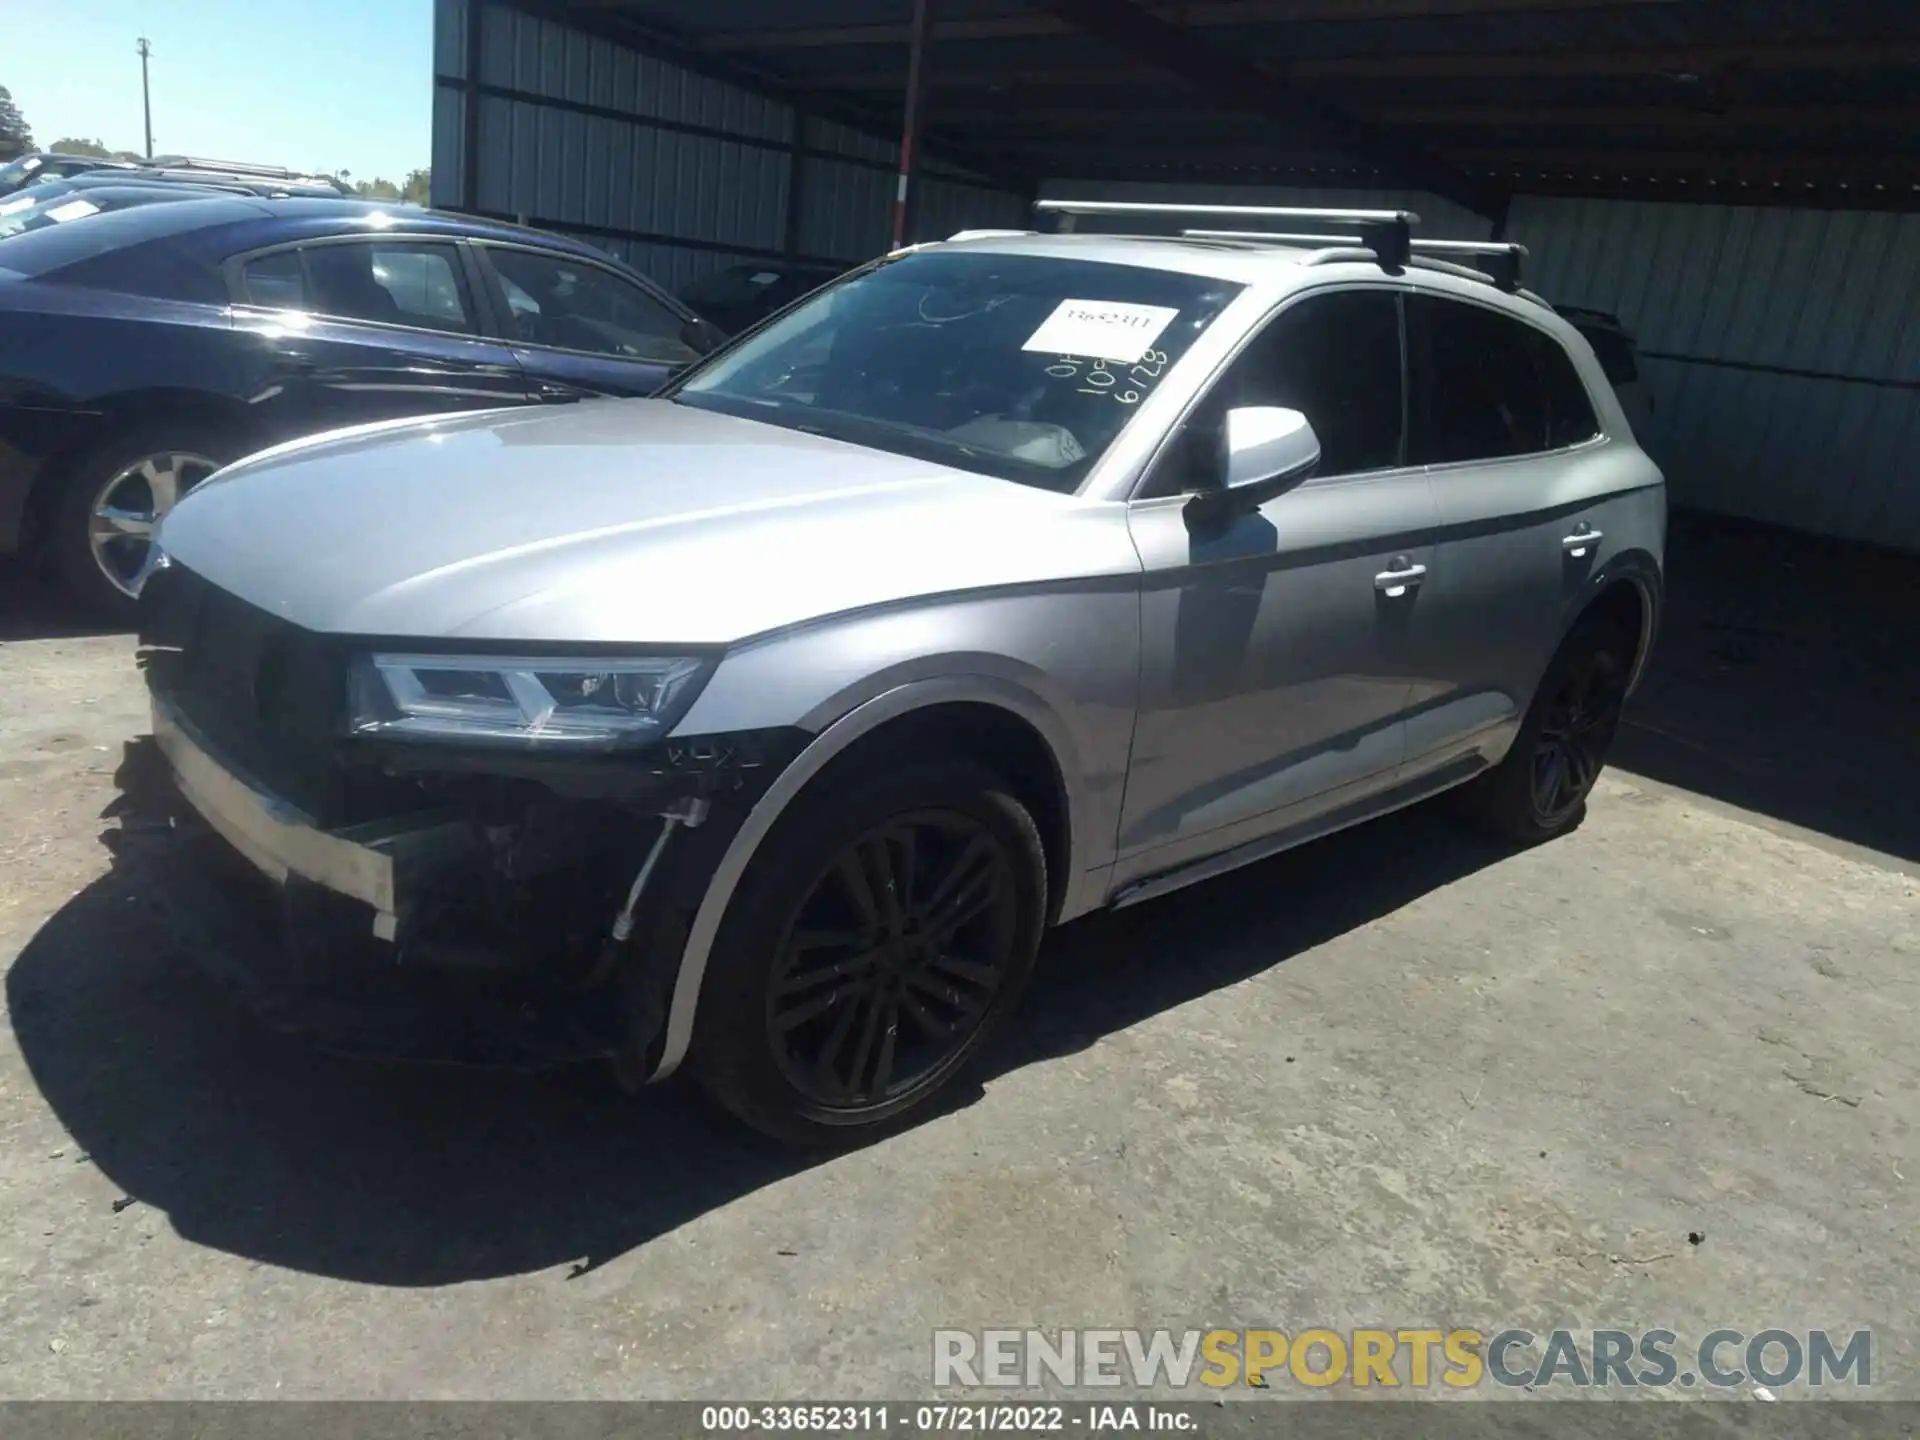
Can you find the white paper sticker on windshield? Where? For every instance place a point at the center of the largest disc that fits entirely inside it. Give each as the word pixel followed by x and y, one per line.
pixel 72 210
pixel 1102 329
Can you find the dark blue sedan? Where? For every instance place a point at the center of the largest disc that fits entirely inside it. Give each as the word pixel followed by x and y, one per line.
pixel 142 349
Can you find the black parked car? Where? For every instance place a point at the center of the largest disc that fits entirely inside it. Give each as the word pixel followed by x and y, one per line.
pixel 43 166
pixel 142 349
pixel 63 201
pixel 741 296
pixel 50 166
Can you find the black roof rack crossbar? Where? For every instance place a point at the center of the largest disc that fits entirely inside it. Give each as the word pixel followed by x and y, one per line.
pixel 1388 233
pixel 1499 260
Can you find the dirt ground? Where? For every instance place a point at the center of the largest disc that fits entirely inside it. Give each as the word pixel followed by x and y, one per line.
pixel 1400 1077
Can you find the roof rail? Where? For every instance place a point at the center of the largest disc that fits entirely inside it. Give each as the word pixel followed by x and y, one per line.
pixel 232 167
pixel 1388 233
pixel 1501 258
pixel 242 170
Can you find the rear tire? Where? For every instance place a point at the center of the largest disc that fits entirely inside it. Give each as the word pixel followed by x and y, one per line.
pixel 112 499
pixel 1539 790
pixel 879 939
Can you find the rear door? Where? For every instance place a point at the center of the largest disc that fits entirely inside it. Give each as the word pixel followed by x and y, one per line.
pixel 362 329
pixel 1520 473
pixel 580 329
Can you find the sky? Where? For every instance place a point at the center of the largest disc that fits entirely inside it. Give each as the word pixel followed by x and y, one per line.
pixel 318 85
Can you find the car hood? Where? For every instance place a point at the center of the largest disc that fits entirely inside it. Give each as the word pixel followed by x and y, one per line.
pixel 632 521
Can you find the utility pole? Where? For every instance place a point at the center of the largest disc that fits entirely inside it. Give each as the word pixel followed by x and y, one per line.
pixel 146 96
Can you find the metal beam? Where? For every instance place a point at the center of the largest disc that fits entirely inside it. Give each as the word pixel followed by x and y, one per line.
pixel 1178 116
pixel 1670 119
pixel 1206 13
pixel 1799 164
pixel 1671 62
pixel 1217 73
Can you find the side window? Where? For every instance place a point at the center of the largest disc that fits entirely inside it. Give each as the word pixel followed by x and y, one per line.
pixel 1336 359
pixel 276 280
pixel 574 305
pixel 1478 392
pixel 424 281
pixel 394 282
pixel 1570 417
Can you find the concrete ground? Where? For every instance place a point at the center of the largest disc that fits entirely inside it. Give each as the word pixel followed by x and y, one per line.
pixel 1401 1077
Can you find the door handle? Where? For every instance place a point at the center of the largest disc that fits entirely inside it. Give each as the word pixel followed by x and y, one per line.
pixel 550 394
pixel 1577 544
pixel 1403 577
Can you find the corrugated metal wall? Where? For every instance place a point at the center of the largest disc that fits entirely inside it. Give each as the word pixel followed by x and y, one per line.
pixel 675 172
pixel 1781 349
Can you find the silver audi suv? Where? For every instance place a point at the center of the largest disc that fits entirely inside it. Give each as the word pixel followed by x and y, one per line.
pixel 764 727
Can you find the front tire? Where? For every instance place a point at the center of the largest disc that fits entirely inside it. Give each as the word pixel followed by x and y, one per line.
pixel 111 503
pixel 1539 790
pixel 879 939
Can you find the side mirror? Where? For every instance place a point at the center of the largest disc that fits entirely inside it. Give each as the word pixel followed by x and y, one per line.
pixel 1266 450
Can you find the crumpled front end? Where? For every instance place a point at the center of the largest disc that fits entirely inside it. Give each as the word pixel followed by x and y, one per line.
pixel 429 901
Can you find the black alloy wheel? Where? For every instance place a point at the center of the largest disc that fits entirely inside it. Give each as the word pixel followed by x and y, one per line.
pixel 893 959
pixel 883 932
pixel 1540 787
pixel 1577 728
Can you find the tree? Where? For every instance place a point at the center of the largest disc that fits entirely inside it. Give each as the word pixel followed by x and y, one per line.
pixel 376 189
pixel 15 138
pixel 71 146
pixel 419 188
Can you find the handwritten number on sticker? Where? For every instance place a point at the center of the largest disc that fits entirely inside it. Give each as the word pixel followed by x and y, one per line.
pixel 1102 379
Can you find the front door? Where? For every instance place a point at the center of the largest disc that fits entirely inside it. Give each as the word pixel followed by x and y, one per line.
pixel 358 330
pixel 1276 665
pixel 581 330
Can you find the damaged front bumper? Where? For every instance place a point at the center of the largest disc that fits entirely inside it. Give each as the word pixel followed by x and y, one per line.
pixel 375 863
pixel 494 919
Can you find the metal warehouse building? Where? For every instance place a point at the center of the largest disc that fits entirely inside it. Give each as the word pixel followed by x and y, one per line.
pixel 1737 180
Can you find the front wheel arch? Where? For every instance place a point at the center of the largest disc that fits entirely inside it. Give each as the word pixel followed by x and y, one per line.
pixel 872 721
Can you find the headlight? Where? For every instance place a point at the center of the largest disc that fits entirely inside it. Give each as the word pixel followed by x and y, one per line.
pixel 563 701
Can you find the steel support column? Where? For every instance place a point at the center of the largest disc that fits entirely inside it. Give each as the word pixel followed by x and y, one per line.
pixel 910 125
pixel 470 113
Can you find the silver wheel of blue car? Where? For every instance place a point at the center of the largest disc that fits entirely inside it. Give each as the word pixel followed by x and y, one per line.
pixel 130 505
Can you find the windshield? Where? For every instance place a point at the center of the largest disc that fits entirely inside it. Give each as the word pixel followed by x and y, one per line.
pixel 1024 367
